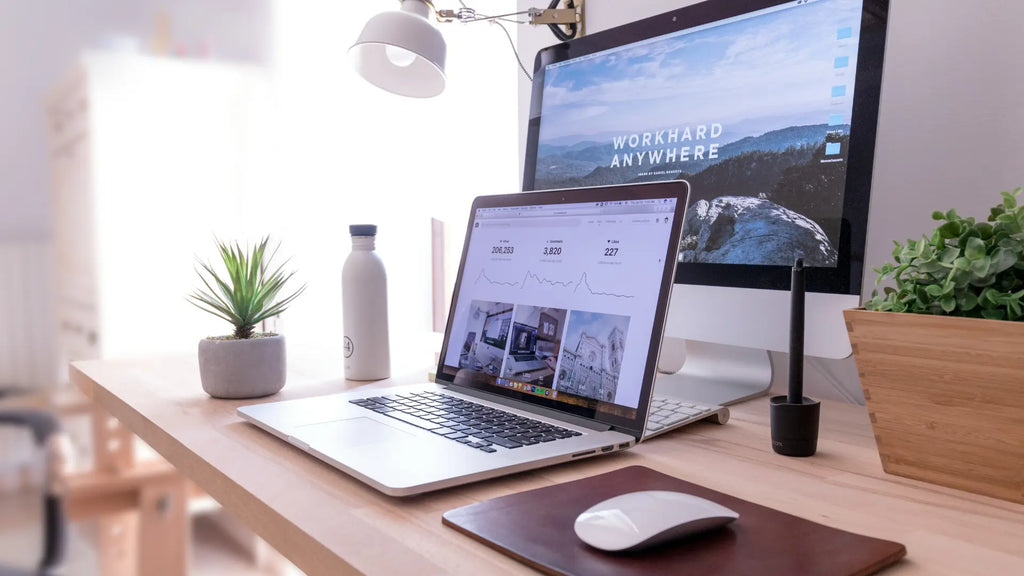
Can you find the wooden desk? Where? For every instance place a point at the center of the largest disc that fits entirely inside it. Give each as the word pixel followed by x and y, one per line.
pixel 328 523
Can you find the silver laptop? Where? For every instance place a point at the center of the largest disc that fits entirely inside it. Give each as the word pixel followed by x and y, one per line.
pixel 549 354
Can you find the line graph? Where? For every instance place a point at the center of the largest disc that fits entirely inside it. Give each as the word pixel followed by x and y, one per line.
pixel 542 281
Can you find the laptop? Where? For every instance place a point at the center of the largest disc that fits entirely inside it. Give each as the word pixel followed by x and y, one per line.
pixel 577 283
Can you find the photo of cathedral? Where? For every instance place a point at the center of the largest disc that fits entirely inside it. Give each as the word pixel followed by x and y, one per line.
pixel 592 359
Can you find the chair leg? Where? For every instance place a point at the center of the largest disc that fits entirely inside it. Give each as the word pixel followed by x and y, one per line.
pixel 56 537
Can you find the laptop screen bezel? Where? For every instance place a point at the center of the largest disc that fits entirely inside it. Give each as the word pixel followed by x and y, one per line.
pixel 678 189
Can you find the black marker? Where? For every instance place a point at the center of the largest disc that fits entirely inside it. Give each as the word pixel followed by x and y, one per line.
pixel 794 418
pixel 796 335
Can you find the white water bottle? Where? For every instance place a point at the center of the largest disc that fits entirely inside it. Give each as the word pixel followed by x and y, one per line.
pixel 364 301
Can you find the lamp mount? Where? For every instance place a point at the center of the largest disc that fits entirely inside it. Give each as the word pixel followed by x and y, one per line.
pixel 570 17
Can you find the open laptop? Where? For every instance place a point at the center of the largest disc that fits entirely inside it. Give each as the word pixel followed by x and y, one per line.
pixel 579 280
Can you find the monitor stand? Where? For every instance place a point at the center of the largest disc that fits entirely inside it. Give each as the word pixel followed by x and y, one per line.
pixel 716 374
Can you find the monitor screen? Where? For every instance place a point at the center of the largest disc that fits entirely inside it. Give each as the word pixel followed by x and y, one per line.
pixel 767 108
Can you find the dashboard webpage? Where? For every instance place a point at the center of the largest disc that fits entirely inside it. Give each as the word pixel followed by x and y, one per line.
pixel 559 301
pixel 753 111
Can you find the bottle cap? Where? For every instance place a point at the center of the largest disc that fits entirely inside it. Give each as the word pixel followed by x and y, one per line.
pixel 363 229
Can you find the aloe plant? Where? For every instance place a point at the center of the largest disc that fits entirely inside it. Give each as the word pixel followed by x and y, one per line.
pixel 249 293
pixel 965 268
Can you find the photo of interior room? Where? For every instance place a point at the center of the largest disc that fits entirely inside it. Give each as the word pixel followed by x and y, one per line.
pixel 486 336
pixel 535 343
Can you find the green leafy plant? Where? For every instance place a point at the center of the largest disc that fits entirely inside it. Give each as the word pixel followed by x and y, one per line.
pixel 966 268
pixel 249 294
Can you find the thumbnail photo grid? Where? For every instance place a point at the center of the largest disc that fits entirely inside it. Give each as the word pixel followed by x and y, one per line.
pixel 570 356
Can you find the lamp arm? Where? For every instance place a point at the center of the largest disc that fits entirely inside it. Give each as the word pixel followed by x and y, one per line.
pixel 572 16
pixel 466 14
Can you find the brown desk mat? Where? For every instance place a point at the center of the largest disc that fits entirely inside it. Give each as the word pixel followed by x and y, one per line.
pixel 536 527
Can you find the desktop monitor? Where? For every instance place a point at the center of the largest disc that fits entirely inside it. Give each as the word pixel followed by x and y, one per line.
pixel 496 328
pixel 768 109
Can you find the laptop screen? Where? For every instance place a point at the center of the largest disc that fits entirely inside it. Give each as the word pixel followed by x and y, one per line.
pixel 560 295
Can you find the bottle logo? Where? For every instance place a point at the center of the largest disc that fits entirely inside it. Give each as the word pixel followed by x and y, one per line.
pixel 349 347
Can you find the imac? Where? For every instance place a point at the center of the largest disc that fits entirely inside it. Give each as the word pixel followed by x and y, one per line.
pixel 768 109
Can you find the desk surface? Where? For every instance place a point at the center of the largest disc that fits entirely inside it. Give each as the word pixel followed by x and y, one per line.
pixel 328 523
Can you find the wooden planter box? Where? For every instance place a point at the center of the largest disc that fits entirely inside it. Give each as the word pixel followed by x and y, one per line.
pixel 945 396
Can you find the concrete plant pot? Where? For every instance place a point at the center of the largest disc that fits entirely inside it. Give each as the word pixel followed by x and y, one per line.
pixel 247 368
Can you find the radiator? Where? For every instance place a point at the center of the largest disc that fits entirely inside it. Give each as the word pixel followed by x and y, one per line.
pixel 28 350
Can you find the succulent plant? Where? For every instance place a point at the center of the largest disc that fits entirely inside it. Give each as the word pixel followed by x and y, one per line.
pixel 965 268
pixel 249 295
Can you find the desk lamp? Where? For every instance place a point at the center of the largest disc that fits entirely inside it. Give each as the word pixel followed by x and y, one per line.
pixel 401 52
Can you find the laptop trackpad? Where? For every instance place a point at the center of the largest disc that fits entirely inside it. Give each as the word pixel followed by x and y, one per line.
pixel 348 433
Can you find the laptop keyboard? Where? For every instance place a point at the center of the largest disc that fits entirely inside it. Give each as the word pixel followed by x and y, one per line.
pixel 667 412
pixel 465 422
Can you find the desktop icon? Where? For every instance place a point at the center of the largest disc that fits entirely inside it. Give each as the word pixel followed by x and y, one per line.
pixel 842 62
pixel 831 148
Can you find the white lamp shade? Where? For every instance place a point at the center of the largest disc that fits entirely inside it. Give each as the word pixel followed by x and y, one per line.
pixel 402 52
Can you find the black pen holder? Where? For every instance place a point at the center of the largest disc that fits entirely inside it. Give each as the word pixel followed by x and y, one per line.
pixel 795 426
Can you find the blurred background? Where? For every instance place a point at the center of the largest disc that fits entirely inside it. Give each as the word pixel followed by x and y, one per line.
pixel 135 132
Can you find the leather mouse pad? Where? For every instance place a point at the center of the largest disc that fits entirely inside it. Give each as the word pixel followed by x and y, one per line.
pixel 536 528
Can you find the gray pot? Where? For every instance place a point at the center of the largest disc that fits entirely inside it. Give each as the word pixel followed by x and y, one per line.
pixel 242 368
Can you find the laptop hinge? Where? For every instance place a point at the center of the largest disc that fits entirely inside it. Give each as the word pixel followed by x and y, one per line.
pixel 539 410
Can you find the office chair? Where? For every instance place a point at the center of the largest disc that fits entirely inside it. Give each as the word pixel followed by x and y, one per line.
pixel 44 427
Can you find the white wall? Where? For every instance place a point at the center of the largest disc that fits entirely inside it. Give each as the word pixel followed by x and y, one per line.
pixel 949 129
pixel 39 40
pixel 350 153
pixel 39 43
pixel 345 151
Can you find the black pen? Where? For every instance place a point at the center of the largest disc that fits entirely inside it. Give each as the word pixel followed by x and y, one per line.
pixel 796 335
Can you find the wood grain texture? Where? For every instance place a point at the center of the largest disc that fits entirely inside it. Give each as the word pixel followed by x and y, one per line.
pixel 329 523
pixel 945 397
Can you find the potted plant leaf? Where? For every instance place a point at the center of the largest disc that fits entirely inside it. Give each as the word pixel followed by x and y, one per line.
pixel 246 363
pixel 940 354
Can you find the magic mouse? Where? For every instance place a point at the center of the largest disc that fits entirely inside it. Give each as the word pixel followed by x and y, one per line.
pixel 638 520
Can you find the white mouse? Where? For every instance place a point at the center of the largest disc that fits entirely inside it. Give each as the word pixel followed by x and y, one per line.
pixel 637 520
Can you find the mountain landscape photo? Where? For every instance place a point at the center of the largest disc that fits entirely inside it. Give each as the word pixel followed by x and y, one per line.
pixel 754 114
pixel 794 193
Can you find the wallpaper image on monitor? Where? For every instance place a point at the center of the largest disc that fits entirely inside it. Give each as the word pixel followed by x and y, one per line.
pixel 753 112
